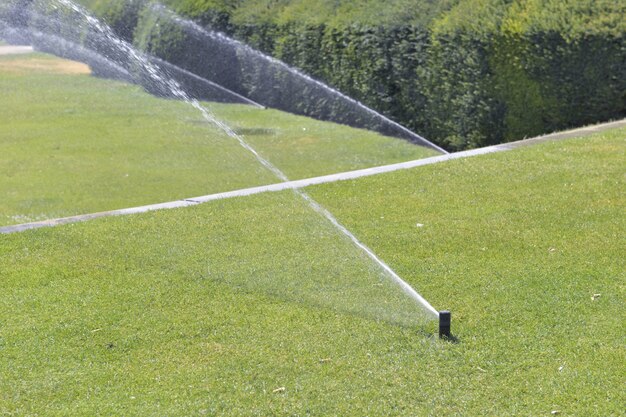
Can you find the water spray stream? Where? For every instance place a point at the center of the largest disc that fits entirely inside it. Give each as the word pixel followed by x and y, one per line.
pixel 246 50
pixel 174 68
pixel 106 67
pixel 175 89
pixel 47 42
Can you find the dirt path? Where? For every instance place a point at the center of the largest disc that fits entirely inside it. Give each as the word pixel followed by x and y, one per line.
pixel 15 50
pixel 19 63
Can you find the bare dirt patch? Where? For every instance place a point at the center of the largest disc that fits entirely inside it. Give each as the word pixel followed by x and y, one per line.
pixel 21 65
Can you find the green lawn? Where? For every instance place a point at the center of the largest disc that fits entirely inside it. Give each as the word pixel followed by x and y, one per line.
pixel 74 144
pixel 304 147
pixel 214 309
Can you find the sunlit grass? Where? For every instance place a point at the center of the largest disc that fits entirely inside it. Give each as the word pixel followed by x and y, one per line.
pixel 73 144
pixel 195 311
pixel 303 147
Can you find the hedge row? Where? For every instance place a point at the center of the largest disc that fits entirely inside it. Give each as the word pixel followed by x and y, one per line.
pixel 461 88
pixel 248 72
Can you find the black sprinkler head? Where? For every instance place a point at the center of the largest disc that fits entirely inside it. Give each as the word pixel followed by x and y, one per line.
pixel 445 317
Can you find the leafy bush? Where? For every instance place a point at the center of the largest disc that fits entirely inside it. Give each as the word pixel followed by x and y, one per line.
pixel 464 73
pixel 158 34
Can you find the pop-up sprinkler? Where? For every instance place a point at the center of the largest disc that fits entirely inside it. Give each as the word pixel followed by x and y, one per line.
pixel 445 317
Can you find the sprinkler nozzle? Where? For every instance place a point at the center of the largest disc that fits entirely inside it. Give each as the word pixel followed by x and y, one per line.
pixel 445 318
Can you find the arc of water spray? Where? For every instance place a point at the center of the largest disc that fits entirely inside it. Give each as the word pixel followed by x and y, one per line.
pixel 74 47
pixel 404 286
pixel 225 39
pixel 79 50
pixel 178 92
pixel 210 83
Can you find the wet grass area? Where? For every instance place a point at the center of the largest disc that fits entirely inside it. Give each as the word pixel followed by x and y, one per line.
pixel 254 306
pixel 257 306
pixel 74 144
pixel 304 148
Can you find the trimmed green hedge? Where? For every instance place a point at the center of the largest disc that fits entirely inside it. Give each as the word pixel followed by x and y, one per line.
pixel 484 72
pixel 548 82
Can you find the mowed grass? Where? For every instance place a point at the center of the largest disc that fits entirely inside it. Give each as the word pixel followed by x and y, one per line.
pixel 304 147
pixel 72 144
pixel 210 310
pixel 526 248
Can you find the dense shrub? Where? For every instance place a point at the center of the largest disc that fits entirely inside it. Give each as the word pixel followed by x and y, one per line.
pixel 549 82
pixel 13 15
pixel 158 34
pixel 460 111
pixel 464 73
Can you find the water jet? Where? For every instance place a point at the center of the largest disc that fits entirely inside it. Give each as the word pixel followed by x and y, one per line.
pixel 99 37
pixel 273 83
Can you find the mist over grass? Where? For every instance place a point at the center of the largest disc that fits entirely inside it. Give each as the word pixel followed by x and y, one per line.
pixel 75 144
pixel 461 73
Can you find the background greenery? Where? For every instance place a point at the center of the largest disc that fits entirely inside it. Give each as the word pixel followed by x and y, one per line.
pixel 462 73
pixel 232 308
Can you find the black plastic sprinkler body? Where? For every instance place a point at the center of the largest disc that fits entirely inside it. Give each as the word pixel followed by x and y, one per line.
pixel 445 317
